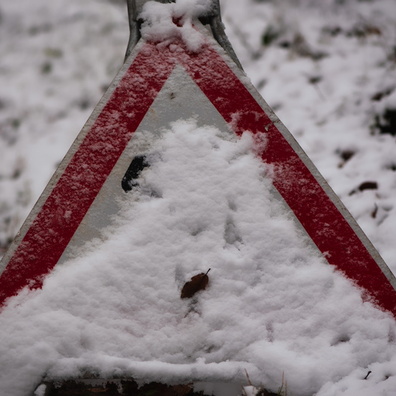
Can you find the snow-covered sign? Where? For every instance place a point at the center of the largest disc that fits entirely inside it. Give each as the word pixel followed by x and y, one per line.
pixel 181 168
pixel 187 76
pixel 158 85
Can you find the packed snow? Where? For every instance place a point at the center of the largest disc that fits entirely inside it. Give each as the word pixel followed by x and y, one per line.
pixel 167 22
pixel 273 306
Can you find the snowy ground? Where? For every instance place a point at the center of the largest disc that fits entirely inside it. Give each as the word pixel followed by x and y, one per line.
pixel 329 72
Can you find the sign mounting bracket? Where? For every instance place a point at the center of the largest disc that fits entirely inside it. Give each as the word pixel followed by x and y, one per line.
pixel 212 18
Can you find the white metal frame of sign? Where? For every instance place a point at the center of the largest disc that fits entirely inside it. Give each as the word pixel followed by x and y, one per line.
pixel 81 178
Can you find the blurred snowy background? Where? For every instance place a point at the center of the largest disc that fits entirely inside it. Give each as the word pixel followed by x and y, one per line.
pixel 327 68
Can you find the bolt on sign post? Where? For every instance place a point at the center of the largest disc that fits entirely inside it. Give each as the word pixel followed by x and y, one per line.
pixel 78 200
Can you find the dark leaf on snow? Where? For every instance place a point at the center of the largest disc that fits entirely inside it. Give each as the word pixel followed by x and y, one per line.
pixel 197 283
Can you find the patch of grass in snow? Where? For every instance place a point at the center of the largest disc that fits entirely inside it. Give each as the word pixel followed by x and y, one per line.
pixel 386 122
pixel 289 38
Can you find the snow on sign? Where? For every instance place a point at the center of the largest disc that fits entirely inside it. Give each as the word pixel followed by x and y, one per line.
pixel 158 85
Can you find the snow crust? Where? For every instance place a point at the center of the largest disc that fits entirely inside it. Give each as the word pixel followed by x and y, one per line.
pixel 167 22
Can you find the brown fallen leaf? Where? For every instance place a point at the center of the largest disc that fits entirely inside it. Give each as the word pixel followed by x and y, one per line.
pixel 197 283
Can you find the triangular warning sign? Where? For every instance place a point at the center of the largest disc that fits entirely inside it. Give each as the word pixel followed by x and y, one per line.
pixel 148 93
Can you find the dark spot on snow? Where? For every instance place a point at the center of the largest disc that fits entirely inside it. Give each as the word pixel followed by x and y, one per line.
pixel 17 173
pixel 8 131
pixel 15 123
pixel 270 332
pixel 46 68
pixel 197 229
pixel 345 155
pixel 367 375
pixel 301 47
pixel 382 94
pixel 332 30
pixel 34 30
pixel 5 244
pixel 261 84
pixel 374 211
pixel 172 95
pixel 386 123
pixel 359 30
pixel 84 104
pixel 2 104
pixel 133 172
pixel 53 52
pixel 392 54
pixel 232 205
pixel 154 193
pixel 286 44
pixel 367 185
pixel 276 107
pixel 314 79
pixel 364 29
pixel 342 339
pixel 391 167
pixel 269 35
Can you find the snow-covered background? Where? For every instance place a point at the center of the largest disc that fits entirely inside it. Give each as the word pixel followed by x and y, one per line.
pixel 328 69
